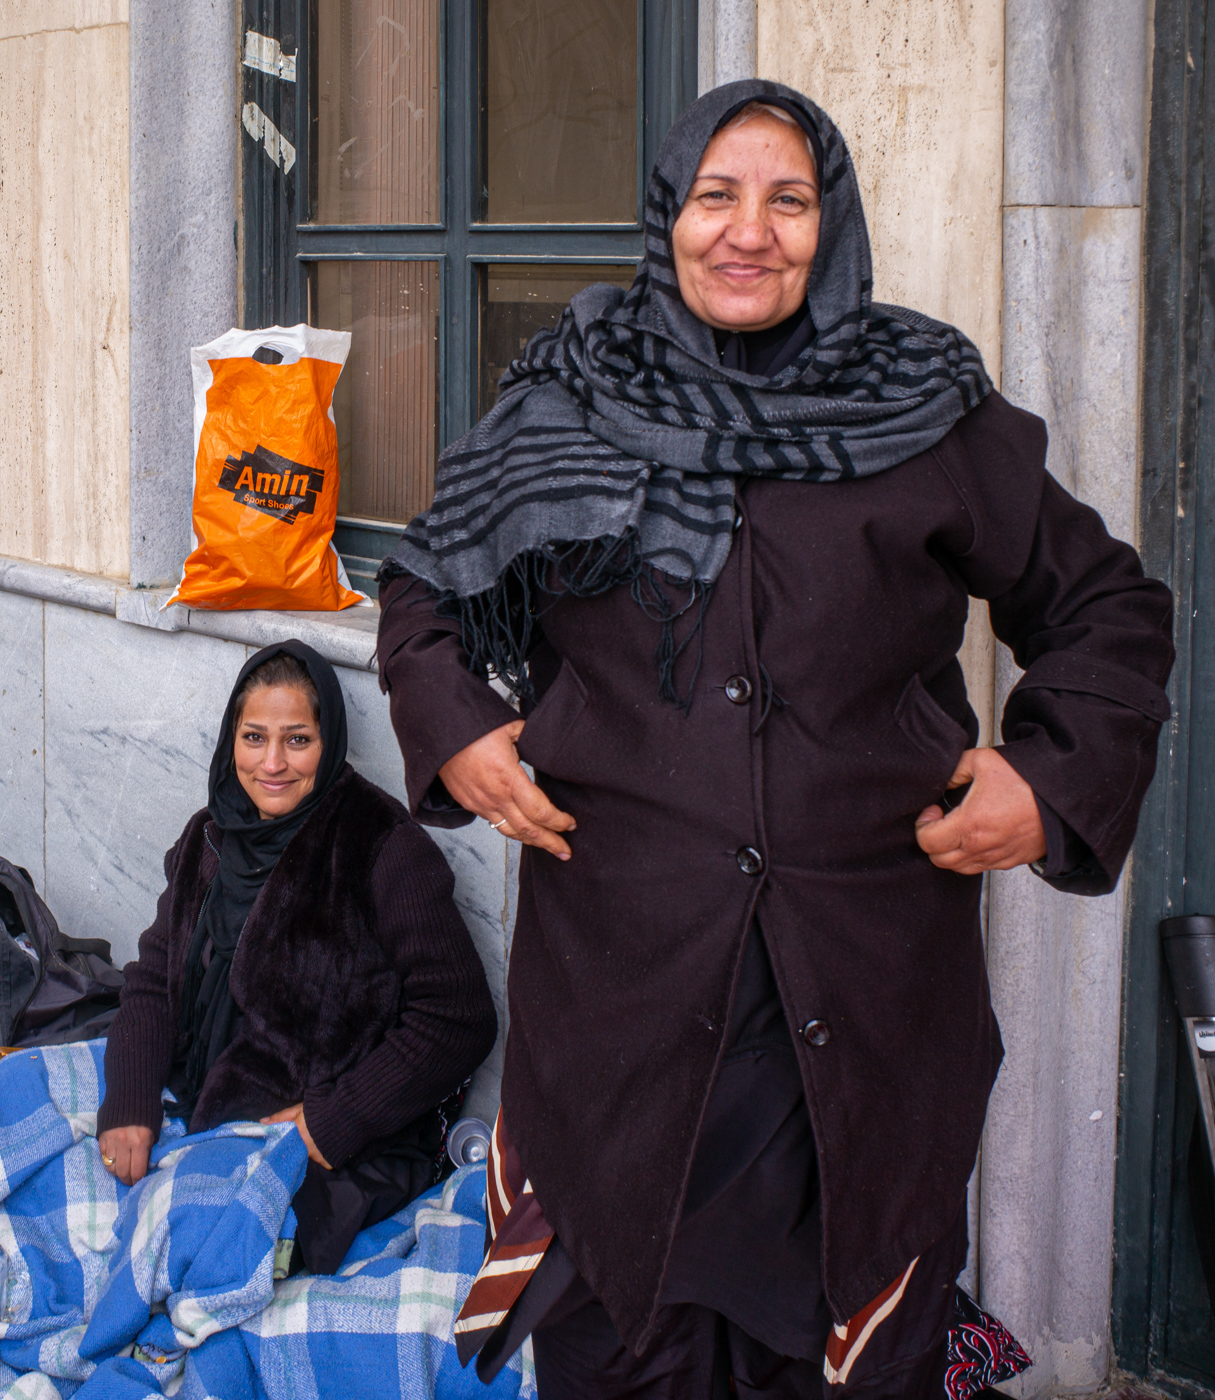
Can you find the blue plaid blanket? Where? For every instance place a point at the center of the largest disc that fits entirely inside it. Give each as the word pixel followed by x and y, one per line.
pixel 116 1293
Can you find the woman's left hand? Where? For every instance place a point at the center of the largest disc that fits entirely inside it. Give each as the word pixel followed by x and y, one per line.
pixel 995 827
pixel 295 1114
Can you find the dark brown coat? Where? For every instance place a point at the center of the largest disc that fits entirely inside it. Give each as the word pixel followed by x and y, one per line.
pixel 853 598
pixel 361 992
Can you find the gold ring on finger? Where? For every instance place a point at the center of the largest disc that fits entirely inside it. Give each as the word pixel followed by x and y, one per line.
pixel 109 1161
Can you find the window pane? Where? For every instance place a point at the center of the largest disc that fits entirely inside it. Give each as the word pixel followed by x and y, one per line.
pixel 386 402
pixel 376 138
pixel 519 299
pixel 561 111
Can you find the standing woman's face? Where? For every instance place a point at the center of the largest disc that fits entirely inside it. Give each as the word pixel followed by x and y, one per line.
pixel 277 749
pixel 748 231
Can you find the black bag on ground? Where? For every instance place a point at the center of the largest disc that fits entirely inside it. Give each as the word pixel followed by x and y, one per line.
pixel 53 989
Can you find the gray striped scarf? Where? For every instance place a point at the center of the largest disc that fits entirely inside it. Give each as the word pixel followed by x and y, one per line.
pixel 611 455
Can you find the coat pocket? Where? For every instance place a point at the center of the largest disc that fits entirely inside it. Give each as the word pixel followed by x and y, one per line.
pixel 549 725
pixel 933 731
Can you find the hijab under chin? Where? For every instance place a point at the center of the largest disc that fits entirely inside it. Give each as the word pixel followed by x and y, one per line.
pixel 766 352
pixel 251 849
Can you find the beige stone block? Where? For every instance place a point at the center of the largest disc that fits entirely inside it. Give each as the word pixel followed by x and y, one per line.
pixel 978 658
pixel 64 302
pixel 26 17
pixel 916 86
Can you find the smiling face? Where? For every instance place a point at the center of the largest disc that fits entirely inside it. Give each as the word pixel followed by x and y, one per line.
pixel 748 231
pixel 277 749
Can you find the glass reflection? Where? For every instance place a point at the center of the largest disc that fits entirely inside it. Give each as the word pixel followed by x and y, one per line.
pixel 560 111
pixel 386 402
pixel 519 299
pixel 376 106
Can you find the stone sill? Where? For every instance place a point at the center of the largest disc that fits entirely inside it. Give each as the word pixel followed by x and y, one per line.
pixel 346 638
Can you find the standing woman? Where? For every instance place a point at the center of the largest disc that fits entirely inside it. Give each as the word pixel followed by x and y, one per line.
pixel 307 964
pixel 718 534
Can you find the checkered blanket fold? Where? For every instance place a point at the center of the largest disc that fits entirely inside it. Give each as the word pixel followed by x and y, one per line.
pixel 116 1293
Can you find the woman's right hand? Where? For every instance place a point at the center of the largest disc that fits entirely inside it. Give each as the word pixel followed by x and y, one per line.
pixel 488 779
pixel 125 1152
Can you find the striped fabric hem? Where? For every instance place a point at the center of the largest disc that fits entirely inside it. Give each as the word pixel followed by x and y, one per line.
pixel 845 1344
pixel 517 1236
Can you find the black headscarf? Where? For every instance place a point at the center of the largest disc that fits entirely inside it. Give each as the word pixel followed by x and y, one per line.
pixel 766 352
pixel 612 453
pixel 251 849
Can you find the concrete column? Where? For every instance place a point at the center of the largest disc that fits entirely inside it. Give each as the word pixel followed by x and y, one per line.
pixel 726 42
pixel 1075 102
pixel 184 176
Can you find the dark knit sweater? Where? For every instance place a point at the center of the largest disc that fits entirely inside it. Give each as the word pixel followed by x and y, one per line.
pixel 360 990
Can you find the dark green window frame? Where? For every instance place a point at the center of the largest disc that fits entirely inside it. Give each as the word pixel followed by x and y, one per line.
pixel 279 245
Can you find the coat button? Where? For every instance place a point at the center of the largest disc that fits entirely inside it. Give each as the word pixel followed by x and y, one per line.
pixel 750 862
pixel 738 690
pixel 816 1033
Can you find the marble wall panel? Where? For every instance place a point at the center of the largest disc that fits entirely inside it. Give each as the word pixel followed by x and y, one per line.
pixel 64 289
pixel 917 90
pixel 1071 346
pixel 484 870
pixel 183 253
pixel 1047 1193
pixel 726 41
pixel 21 734
pixel 131 717
pixel 486 874
pixel 1077 86
pixel 1071 354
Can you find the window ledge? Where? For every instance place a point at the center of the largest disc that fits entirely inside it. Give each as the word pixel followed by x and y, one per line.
pixel 346 638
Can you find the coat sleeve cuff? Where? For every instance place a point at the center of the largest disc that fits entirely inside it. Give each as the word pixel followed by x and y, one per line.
pixel 1035 760
pixel 337 1132
pixel 133 1080
pixel 1068 865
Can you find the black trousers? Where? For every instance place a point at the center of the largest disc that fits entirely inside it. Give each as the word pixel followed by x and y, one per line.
pixel 698 1354
pixel 695 1356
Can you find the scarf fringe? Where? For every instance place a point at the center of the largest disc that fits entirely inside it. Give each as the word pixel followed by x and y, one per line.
pixel 499 627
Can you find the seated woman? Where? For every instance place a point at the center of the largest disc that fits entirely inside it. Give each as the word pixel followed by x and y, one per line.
pixel 307 964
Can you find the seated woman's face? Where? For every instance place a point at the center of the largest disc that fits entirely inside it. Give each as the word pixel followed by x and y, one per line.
pixel 748 231
pixel 277 749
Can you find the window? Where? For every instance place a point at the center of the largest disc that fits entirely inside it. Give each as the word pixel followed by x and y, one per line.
pixel 439 177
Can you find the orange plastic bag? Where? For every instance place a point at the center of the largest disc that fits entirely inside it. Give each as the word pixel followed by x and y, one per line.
pixel 266 473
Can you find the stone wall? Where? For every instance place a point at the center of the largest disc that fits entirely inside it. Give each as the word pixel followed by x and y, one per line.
pixel 63 282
